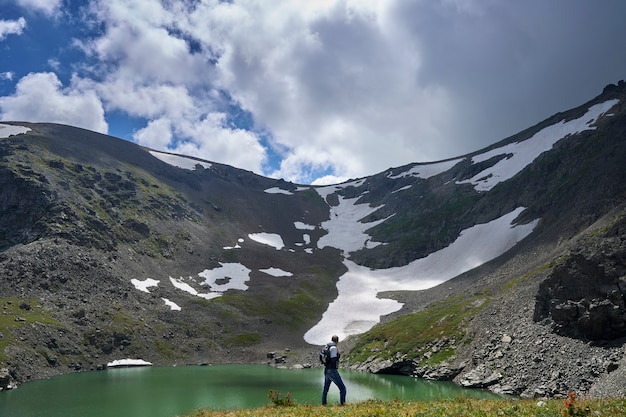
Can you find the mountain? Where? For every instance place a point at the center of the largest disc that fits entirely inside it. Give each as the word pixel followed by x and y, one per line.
pixel 504 268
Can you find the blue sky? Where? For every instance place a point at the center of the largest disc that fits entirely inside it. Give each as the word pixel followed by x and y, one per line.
pixel 314 91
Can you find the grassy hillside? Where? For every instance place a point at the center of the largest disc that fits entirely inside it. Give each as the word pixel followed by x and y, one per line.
pixel 443 408
pixel 412 335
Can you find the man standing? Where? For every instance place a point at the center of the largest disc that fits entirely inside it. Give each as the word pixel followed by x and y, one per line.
pixel 331 373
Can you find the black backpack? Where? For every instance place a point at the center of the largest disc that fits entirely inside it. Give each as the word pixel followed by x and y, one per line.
pixel 325 355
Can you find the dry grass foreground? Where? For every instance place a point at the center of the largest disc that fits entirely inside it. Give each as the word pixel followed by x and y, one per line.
pixel 442 408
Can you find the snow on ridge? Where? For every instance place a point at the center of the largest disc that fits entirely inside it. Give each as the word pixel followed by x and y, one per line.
pixel 426 171
pixel 406 187
pixel 326 190
pixel 525 152
pixel 270 239
pixel 357 307
pixel 277 190
pixel 180 161
pixel 10 130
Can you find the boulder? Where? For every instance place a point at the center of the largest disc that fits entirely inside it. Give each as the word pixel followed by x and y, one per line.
pixel 480 377
pixel 6 380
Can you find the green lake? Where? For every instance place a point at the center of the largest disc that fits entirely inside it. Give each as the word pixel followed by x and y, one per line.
pixel 171 391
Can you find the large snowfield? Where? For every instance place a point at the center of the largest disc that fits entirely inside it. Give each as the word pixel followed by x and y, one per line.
pixel 358 307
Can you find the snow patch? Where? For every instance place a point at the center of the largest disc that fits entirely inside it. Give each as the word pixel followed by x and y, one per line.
pixel 270 239
pixel 128 362
pixel 520 154
pixel 180 161
pixel 278 190
pixel 276 272
pixel 357 307
pixel 145 284
pixel 426 171
pixel 237 246
pixel 406 187
pixel 172 305
pixel 234 275
pixel 345 229
pixel 183 286
pixel 303 226
pixel 10 130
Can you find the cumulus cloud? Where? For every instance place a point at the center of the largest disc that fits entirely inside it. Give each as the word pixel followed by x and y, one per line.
pixel 12 27
pixel 328 81
pixel 48 7
pixel 40 97
pixel 336 89
pixel 209 138
pixel 331 84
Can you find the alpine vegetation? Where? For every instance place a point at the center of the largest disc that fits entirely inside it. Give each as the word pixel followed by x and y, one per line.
pixel 493 269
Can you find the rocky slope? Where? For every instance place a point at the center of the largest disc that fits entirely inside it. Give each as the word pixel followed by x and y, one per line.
pixel 551 313
pixel 86 220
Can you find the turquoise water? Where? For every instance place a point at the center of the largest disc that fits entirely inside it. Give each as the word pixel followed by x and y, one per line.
pixel 171 391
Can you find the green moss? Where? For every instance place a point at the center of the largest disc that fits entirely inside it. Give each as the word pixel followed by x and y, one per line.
pixel 101 197
pixel 165 348
pixel 243 340
pixel 411 336
pixel 517 281
pixel 18 312
pixel 292 310
pixel 230 256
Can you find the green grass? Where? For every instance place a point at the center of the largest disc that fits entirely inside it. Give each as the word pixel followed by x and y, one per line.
pixel 243 340
pixel 517 281
pixel 285 311
pixel 441 408
pixel 13 316
pixel 412 335
pixel 293 309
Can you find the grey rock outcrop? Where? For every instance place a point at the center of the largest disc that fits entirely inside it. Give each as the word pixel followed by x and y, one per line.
pixel 6 380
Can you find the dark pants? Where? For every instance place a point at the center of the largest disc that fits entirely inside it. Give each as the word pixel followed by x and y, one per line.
pixel 332 375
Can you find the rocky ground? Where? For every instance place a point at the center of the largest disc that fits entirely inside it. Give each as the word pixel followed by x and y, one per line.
pixel 515 350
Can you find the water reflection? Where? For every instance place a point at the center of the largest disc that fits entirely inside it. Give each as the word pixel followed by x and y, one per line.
pixel 166 392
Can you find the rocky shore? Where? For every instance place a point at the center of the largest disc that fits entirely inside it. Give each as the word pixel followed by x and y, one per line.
pixel 523 343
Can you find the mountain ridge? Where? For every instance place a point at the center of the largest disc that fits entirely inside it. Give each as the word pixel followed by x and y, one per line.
pixel 97 218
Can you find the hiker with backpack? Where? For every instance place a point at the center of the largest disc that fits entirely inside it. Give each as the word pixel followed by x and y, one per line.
pixel 329 356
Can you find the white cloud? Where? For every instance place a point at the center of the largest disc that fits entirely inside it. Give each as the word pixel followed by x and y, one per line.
pixel 337 89
pixel 331 83
pixel 343 88
pixel 48 7
pixel 207 138
pixel 40 97
pixel 328 80
pixel 12 27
